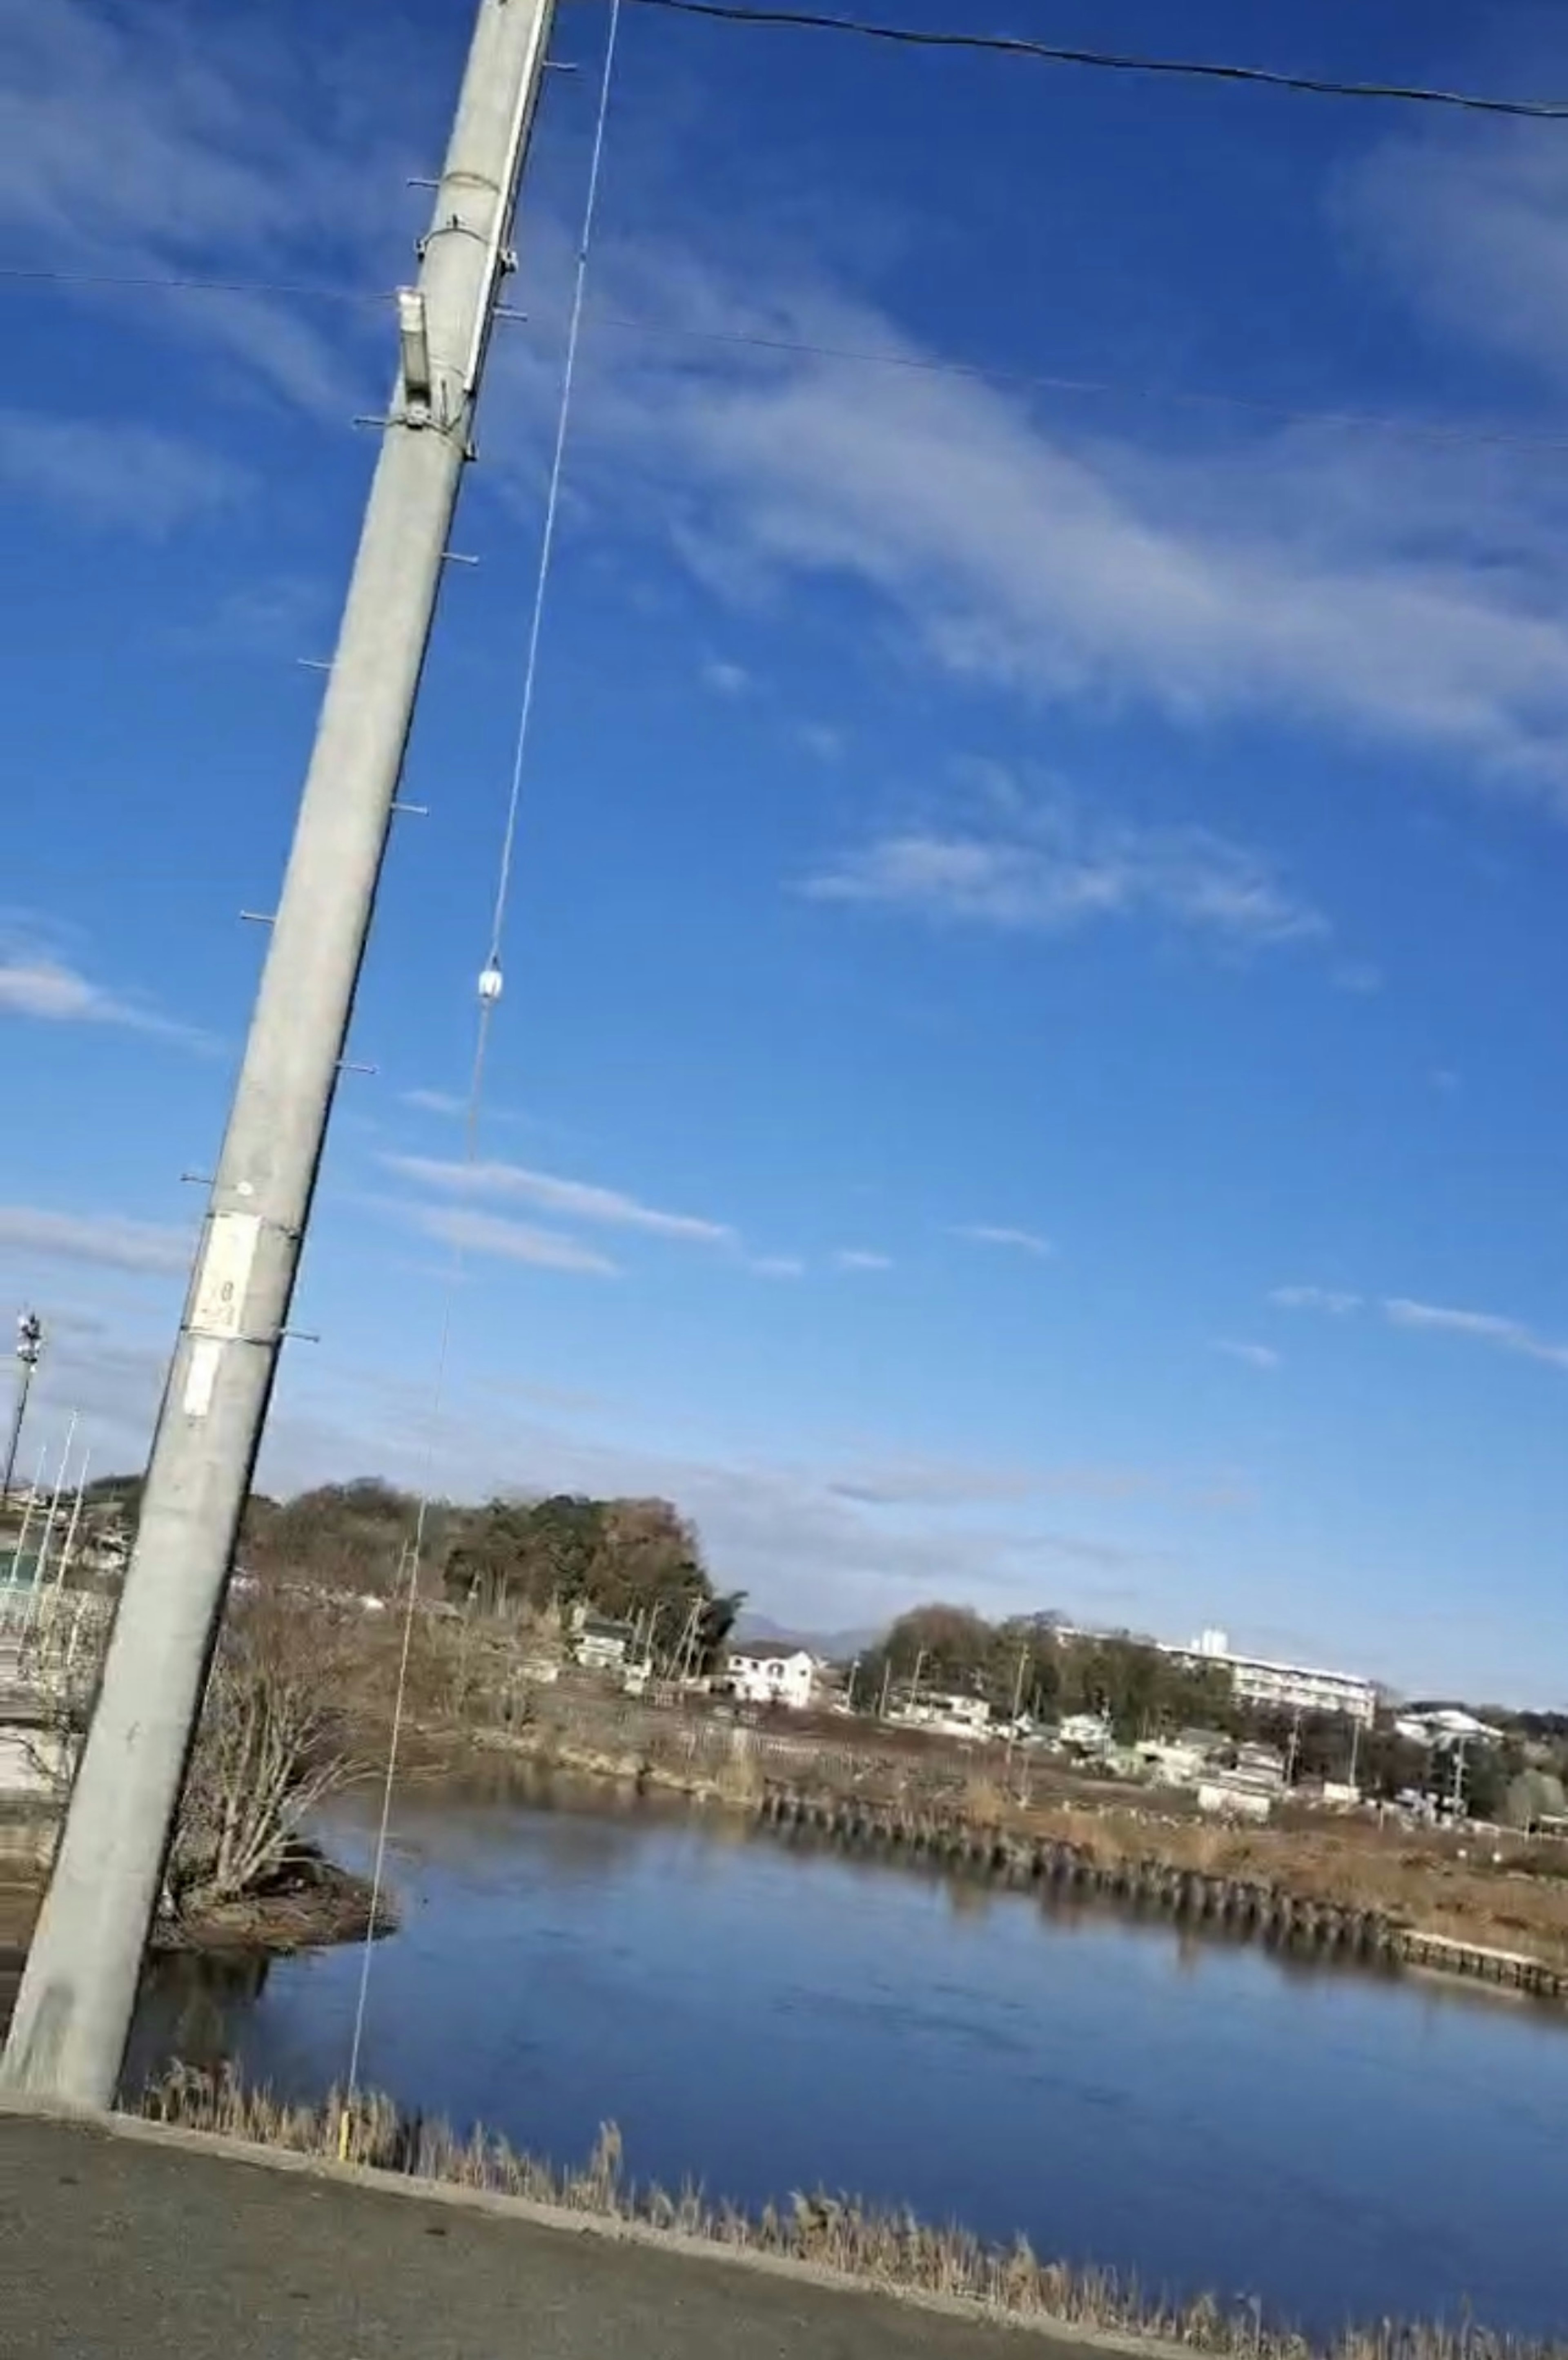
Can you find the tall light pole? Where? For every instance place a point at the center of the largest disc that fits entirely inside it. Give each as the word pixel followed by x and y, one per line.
pixel 73 2010
pixel 29 1352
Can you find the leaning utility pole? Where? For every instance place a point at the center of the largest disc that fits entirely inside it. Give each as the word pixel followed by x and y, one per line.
pixel 73 2010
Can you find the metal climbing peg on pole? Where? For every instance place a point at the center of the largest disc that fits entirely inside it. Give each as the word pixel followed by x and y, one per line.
pixel 73 2010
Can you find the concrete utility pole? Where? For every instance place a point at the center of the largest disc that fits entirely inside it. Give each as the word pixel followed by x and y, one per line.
pixel 29 1349
pixel 73 2010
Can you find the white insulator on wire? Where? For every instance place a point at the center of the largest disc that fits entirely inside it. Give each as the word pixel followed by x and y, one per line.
pixel 490 986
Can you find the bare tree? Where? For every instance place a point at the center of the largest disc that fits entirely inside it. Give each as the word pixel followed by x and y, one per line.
pixel 273 1744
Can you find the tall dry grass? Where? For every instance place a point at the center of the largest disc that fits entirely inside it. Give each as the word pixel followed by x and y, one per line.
pixel 889 2250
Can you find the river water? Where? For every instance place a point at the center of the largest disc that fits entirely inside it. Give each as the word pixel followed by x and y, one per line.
pixel 761 2019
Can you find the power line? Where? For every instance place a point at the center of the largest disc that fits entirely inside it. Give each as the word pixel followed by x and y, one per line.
pixel 982 373
pixel 924 365
pixel 1113 62
pixel 147 281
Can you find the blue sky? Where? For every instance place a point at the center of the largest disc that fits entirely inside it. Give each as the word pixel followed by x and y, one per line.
pixel 1032 1066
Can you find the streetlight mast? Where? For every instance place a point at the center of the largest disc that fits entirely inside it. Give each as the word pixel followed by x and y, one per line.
pixel 29 1352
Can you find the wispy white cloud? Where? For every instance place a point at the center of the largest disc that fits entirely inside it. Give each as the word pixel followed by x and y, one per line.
pixel 170 144
pixel 493 1234
pixel 725 679
pixel 1475 233
pixel 579 1200
pixel 1314 1298
pixel 1480 1327
pixel 115 474
pixel 989 1233
pixel 861 1257
pixel 442 1102
pixel 1375 587
pixel 1255 1356
pixel 932 1482
pixel 106 1241
pixel 36 983
pixel 1401 1311
pixel 821 739
pixel 1046 867
pixel 584 1202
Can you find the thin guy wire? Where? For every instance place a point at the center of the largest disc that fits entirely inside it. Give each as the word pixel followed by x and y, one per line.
pixel 1360 421
pixel 553 497
pixel 1113 61
pixel 415 1558
pixel 414 1562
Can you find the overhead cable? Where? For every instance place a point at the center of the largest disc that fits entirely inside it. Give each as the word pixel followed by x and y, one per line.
pixel 1110 388
pixel 1015 45
pixel 172 283
pixel 866 356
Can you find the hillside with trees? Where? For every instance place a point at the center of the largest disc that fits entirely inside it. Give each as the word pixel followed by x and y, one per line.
pixel 509 1559
pixel 951 1649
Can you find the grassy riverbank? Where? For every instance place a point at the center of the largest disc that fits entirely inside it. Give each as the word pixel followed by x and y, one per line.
pixel 863 2244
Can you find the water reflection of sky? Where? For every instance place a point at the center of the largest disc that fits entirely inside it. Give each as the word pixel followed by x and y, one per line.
pixel 763 2020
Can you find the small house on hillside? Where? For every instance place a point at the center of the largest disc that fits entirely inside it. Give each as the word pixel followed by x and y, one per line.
pixel 598 1644
pixel 772 1671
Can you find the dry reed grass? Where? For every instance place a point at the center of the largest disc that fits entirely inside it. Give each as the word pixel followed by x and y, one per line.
pixel 889 2250
pixel 1353 1866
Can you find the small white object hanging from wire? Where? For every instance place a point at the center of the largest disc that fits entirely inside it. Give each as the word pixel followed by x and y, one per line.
pixel 490 984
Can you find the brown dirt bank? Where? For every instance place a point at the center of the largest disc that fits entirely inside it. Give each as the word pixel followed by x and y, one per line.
pixel 311 1906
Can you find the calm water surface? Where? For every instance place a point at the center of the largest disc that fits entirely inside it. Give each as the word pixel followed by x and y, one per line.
pixel 762 2019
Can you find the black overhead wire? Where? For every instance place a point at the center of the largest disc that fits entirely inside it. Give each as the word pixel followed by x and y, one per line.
pixel 1018 45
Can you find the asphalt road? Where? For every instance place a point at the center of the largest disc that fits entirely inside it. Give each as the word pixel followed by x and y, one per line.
pixel 115 2248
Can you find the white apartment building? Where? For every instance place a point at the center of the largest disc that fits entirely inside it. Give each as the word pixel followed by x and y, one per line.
pixel 1280 1688
pixel 766 1671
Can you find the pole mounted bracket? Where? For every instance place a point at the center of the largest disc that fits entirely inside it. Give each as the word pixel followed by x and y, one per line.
pixel 414 349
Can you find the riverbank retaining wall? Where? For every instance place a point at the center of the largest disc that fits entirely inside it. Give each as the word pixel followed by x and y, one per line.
pixel 1266 1912
pixel 925 1813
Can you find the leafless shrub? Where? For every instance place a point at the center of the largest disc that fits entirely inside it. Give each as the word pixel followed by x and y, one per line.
pixel 272 1743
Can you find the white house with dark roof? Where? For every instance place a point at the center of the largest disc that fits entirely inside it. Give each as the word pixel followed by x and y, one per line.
pixel 772 1671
